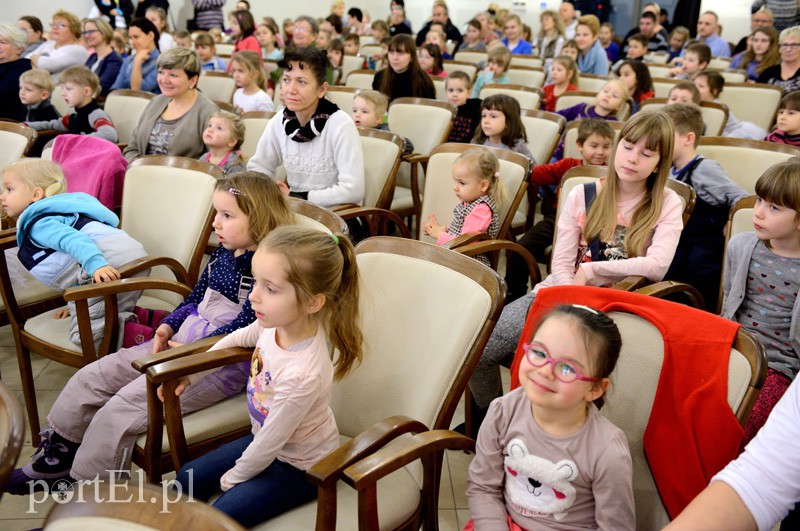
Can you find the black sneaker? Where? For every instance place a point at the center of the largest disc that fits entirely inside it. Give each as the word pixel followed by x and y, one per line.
pixel 51 462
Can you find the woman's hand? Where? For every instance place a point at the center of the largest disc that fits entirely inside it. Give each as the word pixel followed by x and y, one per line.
pixel 34 59
pixel 432 227
pixel 161 338
pixel 106 274
pixel 580 278
pixel 183 383
pixel 141 56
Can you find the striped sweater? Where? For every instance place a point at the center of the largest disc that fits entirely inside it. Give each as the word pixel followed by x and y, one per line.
pixel 87 120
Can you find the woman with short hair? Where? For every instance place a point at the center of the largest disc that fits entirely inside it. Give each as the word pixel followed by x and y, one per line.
pixel 12 43
pixel 65 49
pixel 104 62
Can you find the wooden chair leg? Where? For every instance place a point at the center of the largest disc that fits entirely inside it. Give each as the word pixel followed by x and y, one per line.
pixel 29 392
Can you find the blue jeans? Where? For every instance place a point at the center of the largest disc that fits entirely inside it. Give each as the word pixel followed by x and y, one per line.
pixel 277 489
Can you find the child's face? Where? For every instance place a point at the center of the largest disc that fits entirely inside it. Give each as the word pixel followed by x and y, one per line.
pixel 457 92
pixel 513 30
pixel 231 224
pixel 493 123
pixel 559 73
pixel 75 95
pixel 378 34
pixel 466 184
pixel 31 95
pixel 323 40
pixel 760 43
pixel 184 42
pixel 473 34
pixel 365 114
pixel 241 75
pixel 264 36
pixel 604 35
pixel 335 57
pixel 16 196
pixel 425 60
pixel 628 76
pixel 691 64
pixel 206 53
pixel 560 338
pixel 236 30
pixel 636 50
pixel 610 98
pixel 273 297
pixel 774 222
pixel 679 96
pixel 634 162
pixel 570 51
pixel 157 21
pixel 351 47
pixel 789 121
pixel 434 38
pixel 701 82
pixel 676 41
pixel 219 134
pixel 595 150
pixel 497 68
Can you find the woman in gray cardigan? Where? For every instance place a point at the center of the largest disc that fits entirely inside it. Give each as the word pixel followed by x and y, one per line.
pixel 173 123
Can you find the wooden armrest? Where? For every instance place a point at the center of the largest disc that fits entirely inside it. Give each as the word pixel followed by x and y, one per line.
pixel 379 464
pixel 481 247
pixel 201 345
pixel 465 239
pixel 8 240
pixel 199 362
pixel 631 283
pixel 123 285
pixel 149 262
pixel 376 219
pixel 11 231
pixel 669 287
pixel 344 206
pixel 121 146
pixel 414 158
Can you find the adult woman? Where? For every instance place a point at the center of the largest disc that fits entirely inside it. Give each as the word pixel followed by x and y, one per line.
pixel 397 21
pixel 403 77
pixel 12 43
pixel 592 58
pixel 104 62
pixel 786 74
pixel 65 49
pixel 317 143
pixel 551 35
pixel 139 69
pixel 760 54
pixel 173 123
pixel 33 28
pixel 513 39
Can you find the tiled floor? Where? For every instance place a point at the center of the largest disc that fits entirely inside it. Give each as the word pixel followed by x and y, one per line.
pixel 19 513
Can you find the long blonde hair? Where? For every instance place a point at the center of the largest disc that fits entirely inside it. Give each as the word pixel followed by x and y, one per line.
pixel 601 219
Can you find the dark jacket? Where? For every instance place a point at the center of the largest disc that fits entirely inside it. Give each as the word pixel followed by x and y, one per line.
pixel 11 107
pixel 107 71
pixel 452 34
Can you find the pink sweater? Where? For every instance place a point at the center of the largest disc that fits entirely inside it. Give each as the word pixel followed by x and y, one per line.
pixel 653 265
pixel 476 221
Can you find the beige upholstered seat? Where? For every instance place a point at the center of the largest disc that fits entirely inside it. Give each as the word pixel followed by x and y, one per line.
pixel 591 82
pixel 58 101
pixel 720 63
pixel 349 64
pixel 752 102
pixel 464 66
pixel 732 76
pixel 368 50
pixel 662 86
pixel 571 137
pixel 471 57
pixel 223 48
pixel 360 79
pixel 568 99
pixel 16 140
pixel 656 58
pixel 659 70
pixel 217 86
pixel 526 75
pixel 125 108
pixel 343 97
pixel 528 97
pixel 255 122
pixel 526 60
pixel 441 88
pixel 715 115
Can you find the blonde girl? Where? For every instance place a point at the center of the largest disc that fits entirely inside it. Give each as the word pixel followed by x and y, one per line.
pixel 480 192
pixel 223 136
pixel 158 17
pixel 250 77
pixel 608 103
pixel 305 297
pixel 564 76
pixel 96 419
pixel 66 239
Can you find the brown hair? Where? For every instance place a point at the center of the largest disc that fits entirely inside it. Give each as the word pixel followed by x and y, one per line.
pixel 420 81
pixel 702 51
pixel 436 54
pixel 780 184
pixel 376 98
pixel 81 76
pixel 260 199
pixel 689 86
pixel 73 22
pixel 250 61
pixel 510 108
pixel 569 65
pixel 686 118
pixel 205 39
pixel 103 27
pixel 594 126
pixel 591 22
pixel 499 54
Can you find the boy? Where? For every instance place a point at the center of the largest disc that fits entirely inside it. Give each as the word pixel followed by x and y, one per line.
pixel 206 50
pixel 183 39
pixel 468 116
pixel 696 58
pixel 79 86
pixel 498 59
pixel 684 92
pixel 698 260
pixel 787 129
pixel 35 87
pixel 369 110
pixel 351 44
pixel 595 137
pixel 637 46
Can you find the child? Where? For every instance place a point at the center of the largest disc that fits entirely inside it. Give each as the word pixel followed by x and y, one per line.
pixel 335 56
pixel 552 424
pixel 710 85
pixel 472 39
pixel 609 101
pixel 243 29
pixel 119 45
pixel 501 126
pixel 787 128
pixel 571 49
pixel 437 36
pixel 480 192
pixel 684 92
pixel 430 60
pixel 679 36
pixel 323 39
pixel 305 297
pixel 251 79
pixel 369 110
pixel 760 288
pixel 216 34
pixel 222 137
pixel 637 47
pixel 102 410
pixel 696 58
pixel 267 36
pixel 564 75
pixel 66 240
pixel 380 30
pixel 158 17
pixel 698 260
pixel 498 60
pixel 183 39
pixel 468 114
pixel 80 86
pixel 206 50
pixel 35 87
pixel 606 37
pixel 351 44
pixel 636 77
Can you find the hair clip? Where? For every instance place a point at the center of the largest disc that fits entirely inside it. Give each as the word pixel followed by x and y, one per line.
pixel 587 308
pixel 235 191
pixel 335 239
pixel 497 175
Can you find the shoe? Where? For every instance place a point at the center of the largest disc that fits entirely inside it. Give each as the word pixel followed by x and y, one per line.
pixel 51 463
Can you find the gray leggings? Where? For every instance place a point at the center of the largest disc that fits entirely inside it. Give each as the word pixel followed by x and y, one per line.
pixel 485 383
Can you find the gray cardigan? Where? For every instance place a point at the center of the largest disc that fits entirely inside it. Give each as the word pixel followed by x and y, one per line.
pixel 187 141
pixel 737 262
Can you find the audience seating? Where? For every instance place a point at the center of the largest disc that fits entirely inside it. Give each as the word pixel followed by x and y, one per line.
pixel 662 86
pixel 343 97
pixel 657 58
pixel 526 60
pixel 660 70
pixel 441 88
pixel 58 101
pixel 217 86
pixel 16 140
pixel 125 108
pixel 528 97
pixel 223 48
pixel 592 83
pixel 360 79
pixel 12 433
pixel 254 124
pixel 368 50
pixel 469 56
pixel 731 75
pixel 715 115
pixel 351 63
pixel 526 75
pixel 720 63
pixel 753 102
pixel 464 66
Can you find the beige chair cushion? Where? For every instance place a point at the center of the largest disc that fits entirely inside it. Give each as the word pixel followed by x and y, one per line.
pixel 217 88
pixel 359 80
pixel 527 100
pixel 27 289
pixel 254 128
pixel 470 70
pixel 659 70
pixel 58 101
pixel 591 84
pixel 125 112
pixel 743 165
pixel 224 48
pixel 471 57
pixel 740 100
pixel 662 86
pixel 368 50
pixel 529 61
pixel 742 221
pixel 55 331
pixel 540 133
pixel 96 523
pixel 350 63
pixel 379 158
pixel 714 118
pixel 341 97
pixel 441 89
pixel 13 147
pixel 529 78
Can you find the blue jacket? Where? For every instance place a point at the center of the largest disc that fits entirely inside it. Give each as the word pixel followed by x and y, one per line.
pixel 523 47
pixel 107 70
pixel 594 61
pixel 149 73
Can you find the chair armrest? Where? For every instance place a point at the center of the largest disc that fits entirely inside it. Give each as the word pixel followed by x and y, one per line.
pixel 344 206
pixel 200 361
pixel 148 262
pixel 124 285
pixel 376 219
pixel 414 158
pixel 466 239
pixel 201 345
pixel 481 247
pixel 631 283
pixel 8 239
pixel 670 287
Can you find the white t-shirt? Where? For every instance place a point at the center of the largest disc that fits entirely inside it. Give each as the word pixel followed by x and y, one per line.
pixel 260 101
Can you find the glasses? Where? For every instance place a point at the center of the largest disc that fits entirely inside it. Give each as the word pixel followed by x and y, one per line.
pixel 58 25
pixel 790 45
pixel 90 32
pixel 564 371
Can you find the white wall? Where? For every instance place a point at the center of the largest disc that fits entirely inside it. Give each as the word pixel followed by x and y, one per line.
pixel 734 16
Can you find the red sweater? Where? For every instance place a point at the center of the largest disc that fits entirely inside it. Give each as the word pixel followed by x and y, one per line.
pixel 549 100
pixel 248 43
pixel 692 432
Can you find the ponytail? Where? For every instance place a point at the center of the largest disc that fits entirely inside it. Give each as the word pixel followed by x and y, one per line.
pixel 343 330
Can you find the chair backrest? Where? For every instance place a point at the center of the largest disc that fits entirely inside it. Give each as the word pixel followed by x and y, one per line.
pixel 365 39
pixel 526 60
pixel 543 130
pixel 360 79
pixel 424 121
pixel 571 137
pixel 16 140
pixel 591 82
pixel 58 101
pixel 528 97
pixel 468 56
pixel 715 115
pixel 662 86
pixel 745 160
pixel 438 197
pixel 343 97
pixel 740 219
pixel 12 433
pixel 383 152
pixel 720 63
pixel 468 68
pixel 223 48
pixel 659 70
pixel 225 106
pixel 368 50
pixel 731 76
pixel 351 63
pixel 254 123
pixel 740 98
pixel 217 86
pixel 322 218
pixel 526 75
pixel 125 108
pixel 441 88
pixel 656 58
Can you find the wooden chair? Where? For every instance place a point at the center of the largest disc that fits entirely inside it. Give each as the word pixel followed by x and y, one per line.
pixel 568 99
pixel 461 294
pixel 741 99
pixel 526 76
pixel 16 140
pixel 660 71
pixel 155 189
pixel 662 86
pixel 592 83
pixel 571 137
pixel 217 86
pixel 526 60
pixel 468 68
pixel 528 97
pixel 715 115
pixel 223 48
pixel 745 160
pixel 368 50
pixel 351 63
pixel 656 58
pixel 12 433
pixel 255 122
pixel 343 97
pixel 125 108
pixel 360 79
pixel 427 124
pixel 720 63
pixel 468 56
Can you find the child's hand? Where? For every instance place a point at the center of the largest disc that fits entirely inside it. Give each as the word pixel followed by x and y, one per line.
pixel 106 274
pixel 580 278
pixel 183 383
pixel 161 338
pixel 432 227
pixel 675 72
pixel 61 314
pixel 283 187
pixel 676 61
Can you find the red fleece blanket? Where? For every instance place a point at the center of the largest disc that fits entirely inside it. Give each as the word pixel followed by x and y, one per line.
pixel 92 165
